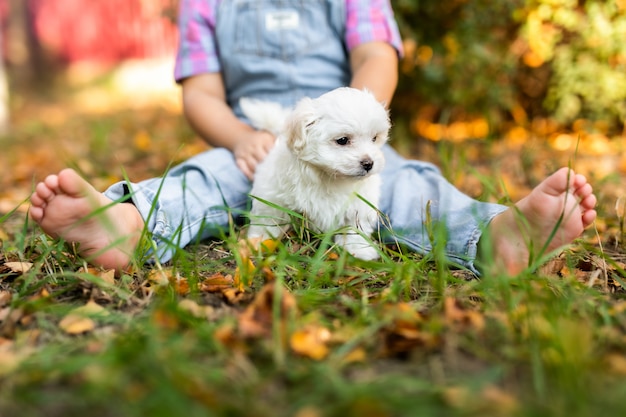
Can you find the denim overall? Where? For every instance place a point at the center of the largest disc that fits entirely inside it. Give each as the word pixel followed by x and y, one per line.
pixel 282 50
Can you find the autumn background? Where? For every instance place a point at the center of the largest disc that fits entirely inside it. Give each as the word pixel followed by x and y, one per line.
pixel 498 94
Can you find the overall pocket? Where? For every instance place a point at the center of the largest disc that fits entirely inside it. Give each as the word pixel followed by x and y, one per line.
pixel 281 29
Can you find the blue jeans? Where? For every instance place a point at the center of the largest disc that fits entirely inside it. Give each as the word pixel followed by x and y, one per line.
pixel 195 200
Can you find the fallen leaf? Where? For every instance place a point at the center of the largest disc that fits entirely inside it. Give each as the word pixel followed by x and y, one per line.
pixel 217 283
pixel 404 333
pixel 268 274
pixel 257 320
pixel 244 274
pixel 9 359
pixel 455 314
pixel 355 355
pixel 308 411
pixel 79 319
pixel 491 400
pixel 5 298
pixel 498 401
pixel 166 319
pixel 181 285
pixel 196 310
pixel 108 276
pixel 19 267
pixel 76 324
pixel 233 295
pixel 311 342
pixel 616 363
pixel 28 337
pixel 160 277
pixel 9 318
pixel 227 336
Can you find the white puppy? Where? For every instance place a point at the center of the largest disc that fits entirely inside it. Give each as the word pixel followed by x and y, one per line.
pixel 328 150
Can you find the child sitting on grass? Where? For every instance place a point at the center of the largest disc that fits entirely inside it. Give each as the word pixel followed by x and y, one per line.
pixel 281 51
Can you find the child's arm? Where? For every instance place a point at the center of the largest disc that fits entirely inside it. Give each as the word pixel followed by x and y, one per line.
pixel 204 104
pixel 375 67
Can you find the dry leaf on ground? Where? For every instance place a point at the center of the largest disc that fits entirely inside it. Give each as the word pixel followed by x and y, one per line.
pixel 79 319
pixel 19 267
pixel 257 320
pixel 311 342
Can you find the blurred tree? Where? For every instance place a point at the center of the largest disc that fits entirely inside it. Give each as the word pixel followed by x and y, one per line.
pixel 510 60
pixel 514 59
pixel 583 42
pixel 458 54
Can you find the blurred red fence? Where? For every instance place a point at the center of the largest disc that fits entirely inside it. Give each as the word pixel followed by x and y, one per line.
pixel 105 31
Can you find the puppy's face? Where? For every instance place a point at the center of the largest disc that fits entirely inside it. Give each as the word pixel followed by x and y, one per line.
pixel 340 133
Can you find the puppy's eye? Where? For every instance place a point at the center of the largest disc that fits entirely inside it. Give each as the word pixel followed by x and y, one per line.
pixel 374 139
pixel 343 141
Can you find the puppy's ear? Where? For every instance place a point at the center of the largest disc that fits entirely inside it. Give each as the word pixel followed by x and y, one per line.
pixel 299 123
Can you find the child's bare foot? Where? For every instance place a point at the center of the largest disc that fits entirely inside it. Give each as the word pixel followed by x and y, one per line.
pixel 533 224
pixel 67 207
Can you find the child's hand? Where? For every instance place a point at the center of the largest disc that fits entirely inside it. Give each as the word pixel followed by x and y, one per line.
pixel 251 150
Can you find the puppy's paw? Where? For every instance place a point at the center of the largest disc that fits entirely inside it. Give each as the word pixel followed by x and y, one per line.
pixel 357 246
pixel 366 253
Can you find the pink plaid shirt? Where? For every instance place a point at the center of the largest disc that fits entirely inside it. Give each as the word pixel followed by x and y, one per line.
pixel 367 21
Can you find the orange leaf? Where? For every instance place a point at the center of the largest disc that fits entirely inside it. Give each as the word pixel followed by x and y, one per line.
pixel 217 282
pixel 456 315
pixel 311 342
pixel 142 141
pixel 243 274
pixel 5 298
pixel 79 320
pixel 257 320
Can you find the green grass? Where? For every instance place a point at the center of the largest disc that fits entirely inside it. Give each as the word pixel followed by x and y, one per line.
pixel 408 336
pixel 405 336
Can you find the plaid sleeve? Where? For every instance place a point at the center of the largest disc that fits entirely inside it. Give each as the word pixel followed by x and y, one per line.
pixel 369 21
pixel 197 51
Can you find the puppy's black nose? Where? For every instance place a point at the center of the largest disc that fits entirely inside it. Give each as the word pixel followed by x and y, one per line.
pixel 367 164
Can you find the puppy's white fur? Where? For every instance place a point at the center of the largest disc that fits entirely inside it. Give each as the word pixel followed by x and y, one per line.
pixel 327 152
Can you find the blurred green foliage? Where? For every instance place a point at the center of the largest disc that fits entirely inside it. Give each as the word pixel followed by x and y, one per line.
pixel 563 59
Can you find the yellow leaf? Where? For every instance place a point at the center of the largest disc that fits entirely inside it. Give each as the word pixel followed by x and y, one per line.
pixel 142 140
pixel 79 319
pixel 192 308
pixel 9 359
pixel 243 274
pixel 161 277
pixel 311 342
pixel 269 246
pixel 107 276
pixel 75 324
pixel 616 363
pixel 355 355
